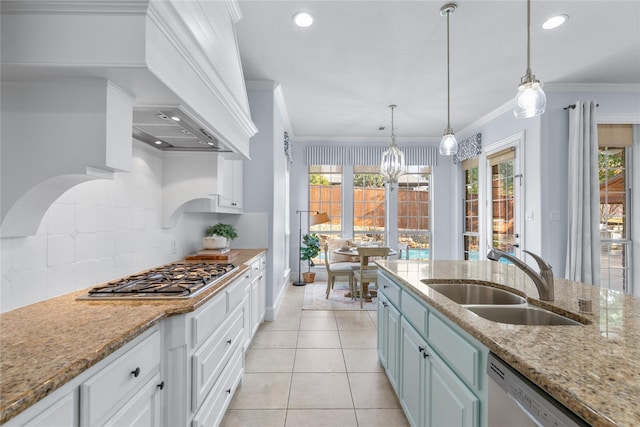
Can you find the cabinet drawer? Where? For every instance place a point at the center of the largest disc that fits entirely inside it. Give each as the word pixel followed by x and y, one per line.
pixel 104 391
pixel 235 294
pixel 390 289
pixel 205 321
pixel 460 355
pixel 211 358
pixel 213 409
pixel 415 312
pixel 256 268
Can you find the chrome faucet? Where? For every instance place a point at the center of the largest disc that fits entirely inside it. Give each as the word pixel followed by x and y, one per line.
pixel 543 281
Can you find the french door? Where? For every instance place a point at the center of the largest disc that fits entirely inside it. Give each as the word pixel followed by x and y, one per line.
pixel 504 194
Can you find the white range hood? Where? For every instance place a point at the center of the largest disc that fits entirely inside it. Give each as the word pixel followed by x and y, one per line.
pixel 75 75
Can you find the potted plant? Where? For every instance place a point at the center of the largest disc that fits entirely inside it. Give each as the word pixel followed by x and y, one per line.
pixel 219 236
pixel 308 252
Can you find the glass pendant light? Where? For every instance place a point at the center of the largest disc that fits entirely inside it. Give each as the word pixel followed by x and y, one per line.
pixel 530 100
pixel 392 165
pixel 449 143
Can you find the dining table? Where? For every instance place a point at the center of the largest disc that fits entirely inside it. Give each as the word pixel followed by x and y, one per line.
pixel 353 251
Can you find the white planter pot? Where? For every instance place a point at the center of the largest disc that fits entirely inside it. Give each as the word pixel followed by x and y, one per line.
pixel 214 242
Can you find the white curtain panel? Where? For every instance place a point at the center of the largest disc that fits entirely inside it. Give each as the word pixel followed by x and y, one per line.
pixel 583 239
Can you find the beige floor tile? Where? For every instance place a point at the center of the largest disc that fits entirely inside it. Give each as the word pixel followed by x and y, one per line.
pixel 275 339
pixel 374 317
pixel 254 418
pixel 270 360
pixel 354 321
pixel 262 391
pixel 318 324
pixel 321 418
pixel 318 313
pixel 319 360
pixel 318 339
pixel 359 339
pixel 371 390
pixel 282 323
pixel 362 360
pixel 381 418
pixel 320 391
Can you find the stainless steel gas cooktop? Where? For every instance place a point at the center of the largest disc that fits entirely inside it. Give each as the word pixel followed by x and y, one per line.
pixel 177 280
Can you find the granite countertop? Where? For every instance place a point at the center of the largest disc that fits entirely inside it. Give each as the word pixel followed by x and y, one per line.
pixel 593 369
pixel 45 345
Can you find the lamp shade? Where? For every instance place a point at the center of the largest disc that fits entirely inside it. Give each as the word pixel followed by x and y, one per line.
pixel 320 218
pixel 392 165
pixel 448 144
pixel 530 100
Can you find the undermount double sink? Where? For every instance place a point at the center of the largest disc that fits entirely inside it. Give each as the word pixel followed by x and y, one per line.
pixel 499 305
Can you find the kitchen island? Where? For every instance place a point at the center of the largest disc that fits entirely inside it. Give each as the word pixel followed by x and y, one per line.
pixel 45 345
pixel 593 369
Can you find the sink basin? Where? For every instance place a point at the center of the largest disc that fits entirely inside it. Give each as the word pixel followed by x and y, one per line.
pixel 470 293
pixel 522 315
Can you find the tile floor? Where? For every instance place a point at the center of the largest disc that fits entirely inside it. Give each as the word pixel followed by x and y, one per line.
pixel 314 368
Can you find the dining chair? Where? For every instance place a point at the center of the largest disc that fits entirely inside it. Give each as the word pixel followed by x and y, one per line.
pixel 336 269
pixel 366 273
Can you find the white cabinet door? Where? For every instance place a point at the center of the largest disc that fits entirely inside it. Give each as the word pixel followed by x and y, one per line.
pixel 230 183
pixel 63 413
pixel 143 409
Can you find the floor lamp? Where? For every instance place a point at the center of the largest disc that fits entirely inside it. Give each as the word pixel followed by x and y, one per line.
pixel 318 218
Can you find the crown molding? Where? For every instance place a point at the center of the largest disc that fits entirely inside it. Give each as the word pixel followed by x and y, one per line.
pixel 74 6
pixel 592 87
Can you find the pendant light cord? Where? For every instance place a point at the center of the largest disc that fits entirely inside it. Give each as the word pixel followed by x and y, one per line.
pixel 448 90
pixel 528 37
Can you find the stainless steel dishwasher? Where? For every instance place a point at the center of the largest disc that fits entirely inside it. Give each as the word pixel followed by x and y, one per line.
pixel 515 401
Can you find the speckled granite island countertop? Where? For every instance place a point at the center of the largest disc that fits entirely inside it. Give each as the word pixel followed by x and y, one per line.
pixel 45 345
pixel 592 369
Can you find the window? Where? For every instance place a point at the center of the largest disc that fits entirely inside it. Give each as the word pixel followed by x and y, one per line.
pixel 471 232
pixel 503 201
pixel 413 211
pixel 325 195
pixel 368 204
pixel 615 143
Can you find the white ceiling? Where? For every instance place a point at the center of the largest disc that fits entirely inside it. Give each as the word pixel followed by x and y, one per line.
pixel 339 76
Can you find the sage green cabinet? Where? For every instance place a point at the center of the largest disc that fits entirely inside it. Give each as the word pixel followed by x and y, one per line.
pixel 436 368
pixel 388 338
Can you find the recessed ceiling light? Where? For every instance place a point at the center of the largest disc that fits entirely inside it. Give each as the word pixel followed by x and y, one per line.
pixel 303 19
pixel 158 142
pixel 555 22
pixel 175 118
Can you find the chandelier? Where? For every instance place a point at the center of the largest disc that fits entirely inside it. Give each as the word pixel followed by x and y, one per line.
pixel 392 165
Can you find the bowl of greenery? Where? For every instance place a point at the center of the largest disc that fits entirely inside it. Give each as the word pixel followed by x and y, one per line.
pixel 219 236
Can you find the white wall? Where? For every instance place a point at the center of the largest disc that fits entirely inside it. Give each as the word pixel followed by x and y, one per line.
pixel 265 181
pixel 545 160
pixel 98 231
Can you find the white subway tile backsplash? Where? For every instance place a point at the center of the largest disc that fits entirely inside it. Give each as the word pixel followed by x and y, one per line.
pixel 60 250
pixel 61 218
pixel 60 280
pixel 107 220
pixel 86 246
pixel 106 245
pixel 87 218
pixel 30 253
pixel 97 231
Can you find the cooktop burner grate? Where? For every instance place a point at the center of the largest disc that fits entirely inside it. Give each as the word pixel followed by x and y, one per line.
pixel 178 280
